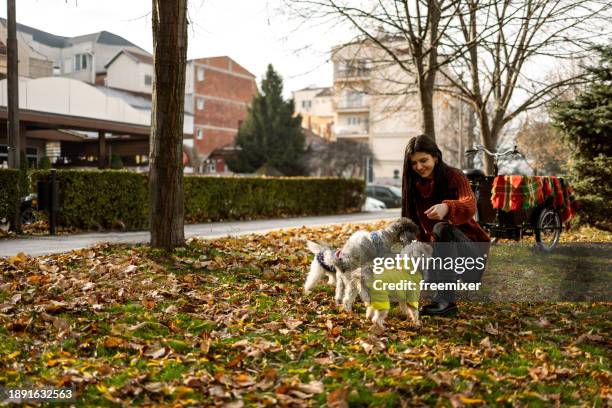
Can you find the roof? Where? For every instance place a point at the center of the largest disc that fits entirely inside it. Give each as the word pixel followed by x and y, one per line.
pixel 57 41
pixel 138 57
pixel 325 92
pixel 42 37
pixel 219 61
pixel 103 37
pixel 312 88
pixel 130 98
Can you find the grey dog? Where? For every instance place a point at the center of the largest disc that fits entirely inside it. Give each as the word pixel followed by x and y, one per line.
pixel 359 251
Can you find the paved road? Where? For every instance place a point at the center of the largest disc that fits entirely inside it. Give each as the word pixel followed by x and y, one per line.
pixel 65 243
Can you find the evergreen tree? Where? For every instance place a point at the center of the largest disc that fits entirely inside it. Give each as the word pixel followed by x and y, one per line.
pixel 586 123
pixel 270 134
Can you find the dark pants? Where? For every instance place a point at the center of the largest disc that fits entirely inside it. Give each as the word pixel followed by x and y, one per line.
pixel 451 243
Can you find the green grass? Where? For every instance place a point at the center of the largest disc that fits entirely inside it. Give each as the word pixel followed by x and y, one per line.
pixel 213 309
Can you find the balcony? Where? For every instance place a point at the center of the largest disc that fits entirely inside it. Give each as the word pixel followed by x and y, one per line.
pixel 351 132
pixel 360 104
pixel 352 76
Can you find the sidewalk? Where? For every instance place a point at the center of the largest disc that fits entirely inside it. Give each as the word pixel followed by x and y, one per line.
pixel 42 245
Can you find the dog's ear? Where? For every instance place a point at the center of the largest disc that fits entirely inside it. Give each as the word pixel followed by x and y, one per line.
pixel 408 225
pixel 314 247
pixel 323 243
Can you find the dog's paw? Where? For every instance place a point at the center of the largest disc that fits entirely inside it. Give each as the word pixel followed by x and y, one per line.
pixel 347 306
pixel 369 312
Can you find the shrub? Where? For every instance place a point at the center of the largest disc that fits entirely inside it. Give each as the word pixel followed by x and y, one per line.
pixel 104 199
pixel 44 163
pixel 586 123
pixel 96 199
pixel 214 198
pixel 9 192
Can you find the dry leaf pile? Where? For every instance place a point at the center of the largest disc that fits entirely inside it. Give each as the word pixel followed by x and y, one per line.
pixel 225 322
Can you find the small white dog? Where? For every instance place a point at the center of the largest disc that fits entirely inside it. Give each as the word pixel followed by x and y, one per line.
pixel 360 250
pixel 321 266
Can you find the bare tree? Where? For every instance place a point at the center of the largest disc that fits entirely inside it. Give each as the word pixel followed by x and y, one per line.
pixel 342 158
pixel 543 146
pixel 408 35
pixel 505 46
pixel 166 171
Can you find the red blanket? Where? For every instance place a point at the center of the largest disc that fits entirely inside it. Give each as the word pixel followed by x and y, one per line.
pixel 511 193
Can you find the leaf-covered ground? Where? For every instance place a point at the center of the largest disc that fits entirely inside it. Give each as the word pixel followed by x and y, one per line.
pixel 225 322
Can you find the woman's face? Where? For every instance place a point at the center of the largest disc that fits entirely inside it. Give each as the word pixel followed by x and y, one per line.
pixel 423 164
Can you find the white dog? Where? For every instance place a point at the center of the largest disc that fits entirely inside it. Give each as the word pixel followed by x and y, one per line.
pixel 359 251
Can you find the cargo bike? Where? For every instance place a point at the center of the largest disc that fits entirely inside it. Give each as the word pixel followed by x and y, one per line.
pixel 514 206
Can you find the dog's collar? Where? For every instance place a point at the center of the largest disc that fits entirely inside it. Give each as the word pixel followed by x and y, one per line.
pixel 325 266
pixel 377 240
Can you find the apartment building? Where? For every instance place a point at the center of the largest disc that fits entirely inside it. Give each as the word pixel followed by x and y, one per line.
pixel 130 71
pixel 82 57
pixel 315 105
pixel 32 62
pixel 218 92
pixel 374 102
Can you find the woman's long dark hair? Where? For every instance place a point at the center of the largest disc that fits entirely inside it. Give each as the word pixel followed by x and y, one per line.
pixel 424 144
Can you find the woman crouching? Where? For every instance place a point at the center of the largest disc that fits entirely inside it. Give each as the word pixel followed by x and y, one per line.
pixel 439 199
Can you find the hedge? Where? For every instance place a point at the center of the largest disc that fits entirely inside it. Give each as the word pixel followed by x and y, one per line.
pixel 110 199
pixel 9 193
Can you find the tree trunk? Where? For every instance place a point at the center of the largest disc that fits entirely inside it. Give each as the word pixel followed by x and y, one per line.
pixel 427 113
pixel 487 140
pixel 471 137
pixel 165 165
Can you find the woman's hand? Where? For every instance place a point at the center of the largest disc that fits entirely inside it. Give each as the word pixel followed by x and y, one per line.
pixel 437 212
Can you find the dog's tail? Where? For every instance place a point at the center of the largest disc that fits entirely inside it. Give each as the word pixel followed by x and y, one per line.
pixel 314 275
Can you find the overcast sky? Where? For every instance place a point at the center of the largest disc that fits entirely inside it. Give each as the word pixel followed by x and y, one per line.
pixel 252 32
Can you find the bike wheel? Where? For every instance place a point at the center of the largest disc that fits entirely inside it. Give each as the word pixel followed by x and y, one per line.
pixel 548 230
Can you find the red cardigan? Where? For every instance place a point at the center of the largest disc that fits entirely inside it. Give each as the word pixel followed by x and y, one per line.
pixel 461 207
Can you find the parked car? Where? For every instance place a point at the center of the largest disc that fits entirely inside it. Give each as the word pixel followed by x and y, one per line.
pixel 372 204
pixel 390 195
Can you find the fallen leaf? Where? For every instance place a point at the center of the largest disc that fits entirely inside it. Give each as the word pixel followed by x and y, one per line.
pixel 156 353
pixel 491 330
pixel 313 387
pixel 148 303
pixel 114 342
pixel 338 398
pixel 292 323
pixel 486 342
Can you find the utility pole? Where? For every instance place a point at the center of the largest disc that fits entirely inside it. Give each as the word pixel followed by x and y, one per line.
pixel 14 142
pixel 14 145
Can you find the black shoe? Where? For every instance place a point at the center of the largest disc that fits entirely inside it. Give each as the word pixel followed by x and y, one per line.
pixel 438 309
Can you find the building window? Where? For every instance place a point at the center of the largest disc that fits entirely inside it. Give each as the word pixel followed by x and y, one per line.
pixel 148 79
pixel 200 73
pixel 212 166
pixel 306 104
pixel 199 134
pixel 80 62
pixel 200 103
